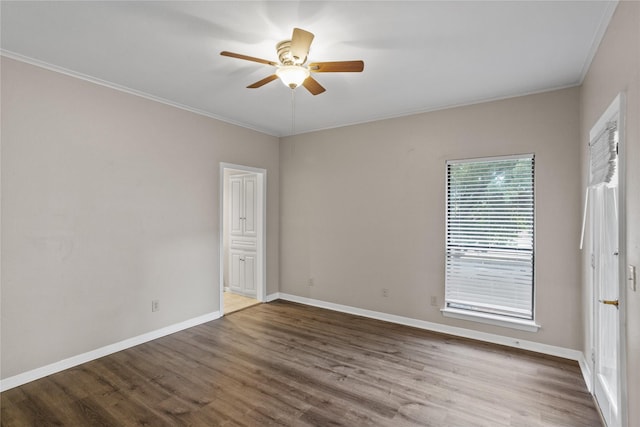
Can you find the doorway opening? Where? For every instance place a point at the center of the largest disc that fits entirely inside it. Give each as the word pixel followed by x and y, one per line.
pixel 243 240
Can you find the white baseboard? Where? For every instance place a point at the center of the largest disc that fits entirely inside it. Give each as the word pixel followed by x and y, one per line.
pixel 34 374
pixel 272 297
pixel 585 367
pixel 53 368
pixel 551 350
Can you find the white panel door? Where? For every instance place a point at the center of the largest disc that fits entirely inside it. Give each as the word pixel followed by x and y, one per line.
pixel 243 199
pixel 249 201
pixel 242 258
pixel 242 272
pixel 249 274
pixel 236 271
pixel 236 224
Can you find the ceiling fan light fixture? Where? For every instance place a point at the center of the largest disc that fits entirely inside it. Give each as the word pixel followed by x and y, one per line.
pixel 292 75
pixel 291 69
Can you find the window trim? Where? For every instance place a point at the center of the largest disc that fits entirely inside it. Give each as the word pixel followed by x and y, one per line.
pixel 529 325
pixel 491 319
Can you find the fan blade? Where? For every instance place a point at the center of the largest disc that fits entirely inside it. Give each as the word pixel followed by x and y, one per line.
pixel 263 82
pixel 300 44
pixel 313 86
pixel 337 67
pixel 248 58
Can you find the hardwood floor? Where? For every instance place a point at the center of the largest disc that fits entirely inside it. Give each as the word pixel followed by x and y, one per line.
pixel 286 364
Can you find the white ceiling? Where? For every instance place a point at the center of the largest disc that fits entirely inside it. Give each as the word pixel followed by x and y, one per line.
pixel 419 55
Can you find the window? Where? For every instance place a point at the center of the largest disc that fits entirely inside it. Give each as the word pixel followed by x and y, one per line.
pixel 490 242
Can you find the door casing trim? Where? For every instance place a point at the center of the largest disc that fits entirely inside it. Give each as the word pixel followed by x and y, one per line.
pixel 261 268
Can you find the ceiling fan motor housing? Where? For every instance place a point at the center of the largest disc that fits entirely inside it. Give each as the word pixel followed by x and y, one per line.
pixel 285 56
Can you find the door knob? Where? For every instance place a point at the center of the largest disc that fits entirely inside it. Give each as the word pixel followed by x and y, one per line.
pixel 610 302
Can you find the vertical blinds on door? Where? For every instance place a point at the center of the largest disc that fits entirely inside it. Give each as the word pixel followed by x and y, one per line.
pixel 603 162
pixel 490 236
pixel 603 154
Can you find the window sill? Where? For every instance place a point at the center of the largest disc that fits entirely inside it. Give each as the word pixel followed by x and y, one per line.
pixel 521 324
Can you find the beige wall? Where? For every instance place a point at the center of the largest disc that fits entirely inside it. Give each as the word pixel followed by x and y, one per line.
pixel 616 68
pixel 110 201
pixel 362 208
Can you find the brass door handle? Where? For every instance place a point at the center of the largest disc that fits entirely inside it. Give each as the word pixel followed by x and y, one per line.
pixel 610 302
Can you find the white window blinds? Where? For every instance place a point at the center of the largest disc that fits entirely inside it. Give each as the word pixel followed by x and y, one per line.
pixel 603 154
pixel 490 242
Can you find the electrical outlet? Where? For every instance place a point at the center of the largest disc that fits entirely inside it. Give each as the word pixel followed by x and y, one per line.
pixel 434 300
pixel 385 292
pixel 311 281
pixel 155 305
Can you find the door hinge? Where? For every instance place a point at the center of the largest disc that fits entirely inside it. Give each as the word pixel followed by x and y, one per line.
pixel 593 261
pixel 593 355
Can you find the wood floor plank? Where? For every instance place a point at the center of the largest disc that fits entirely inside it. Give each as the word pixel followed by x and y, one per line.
pixel 285 364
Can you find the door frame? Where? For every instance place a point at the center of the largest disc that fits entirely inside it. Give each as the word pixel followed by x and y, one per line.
pixel 617 107
pixel 261 217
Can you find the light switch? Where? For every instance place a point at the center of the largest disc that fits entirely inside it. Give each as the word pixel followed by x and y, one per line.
pixel 631 277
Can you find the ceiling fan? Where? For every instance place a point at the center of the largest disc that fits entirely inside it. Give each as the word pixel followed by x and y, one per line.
pixel 291 68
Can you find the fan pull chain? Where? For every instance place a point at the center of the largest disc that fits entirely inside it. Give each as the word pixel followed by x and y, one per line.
pixel 293 112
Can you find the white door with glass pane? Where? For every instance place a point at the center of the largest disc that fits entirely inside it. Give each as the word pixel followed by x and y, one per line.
pixel 606 291
pixel 606 253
